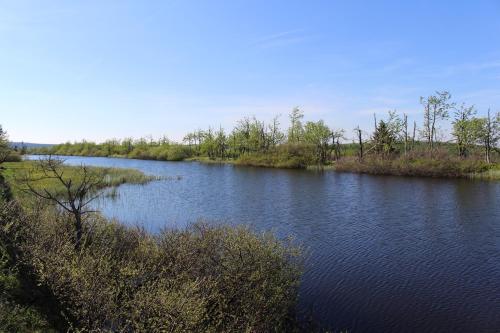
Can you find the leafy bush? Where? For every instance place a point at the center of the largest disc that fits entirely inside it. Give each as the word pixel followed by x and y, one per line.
pixel 202 278
pixel 18 303
pixel 289 156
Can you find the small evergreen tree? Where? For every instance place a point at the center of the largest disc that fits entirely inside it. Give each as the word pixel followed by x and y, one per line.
pixel 384 139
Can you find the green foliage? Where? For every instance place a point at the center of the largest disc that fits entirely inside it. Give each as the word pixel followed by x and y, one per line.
pixel 288 156
pixel 384 139
pixel 5 151
pixel 140 149
pixel 466 129
pixel 436 108
pixel 319 135
pixel 313 143
pixel 203 278
pixel 296 131
pixel 17 310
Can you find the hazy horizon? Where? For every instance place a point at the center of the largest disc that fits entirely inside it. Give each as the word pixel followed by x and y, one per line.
pixel 95 71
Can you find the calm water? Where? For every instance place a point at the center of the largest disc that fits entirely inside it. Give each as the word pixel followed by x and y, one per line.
pixel 386 254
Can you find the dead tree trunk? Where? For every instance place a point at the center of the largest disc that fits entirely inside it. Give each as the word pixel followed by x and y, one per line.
pixel 413 137
pixel 406 133
pixel 360 140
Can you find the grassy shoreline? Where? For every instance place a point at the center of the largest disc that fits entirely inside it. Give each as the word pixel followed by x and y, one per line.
pixel 431 168
pixel 112 177
pixel 409 167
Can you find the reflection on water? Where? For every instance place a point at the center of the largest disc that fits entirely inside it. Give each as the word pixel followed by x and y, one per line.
pixel 385 254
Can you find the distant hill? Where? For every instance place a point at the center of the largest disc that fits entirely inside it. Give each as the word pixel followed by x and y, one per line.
pixel 30 145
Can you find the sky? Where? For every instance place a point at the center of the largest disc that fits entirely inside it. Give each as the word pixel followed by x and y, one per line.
pixel 94 70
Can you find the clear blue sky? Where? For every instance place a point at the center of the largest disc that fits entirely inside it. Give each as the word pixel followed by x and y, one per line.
pixel 99 69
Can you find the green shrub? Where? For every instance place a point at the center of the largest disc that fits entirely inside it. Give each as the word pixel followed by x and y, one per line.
pixel 18 311
pixel 178 153
pixel 203 278
pixel 14 156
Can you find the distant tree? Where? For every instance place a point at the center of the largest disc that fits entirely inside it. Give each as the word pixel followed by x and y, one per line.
pixel 276 137
pixel 208 144
pixel 465 129
pixel 220 143
pixel 318 135
pixel 384 139
pixel 5 149
pixel 127 145
pixel 405 133
pixel 79 191
pixel 241 135
pixel 194 139
pixel 336 137
pixel 436 108
pixel 360 141
pixel 488 133
pixel 257 135
pixel 295 132
pixel 164 140
pixel 24 149
pixel 388 133
pixel 395 125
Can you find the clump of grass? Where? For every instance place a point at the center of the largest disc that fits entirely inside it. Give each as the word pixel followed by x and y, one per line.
pixel 118 176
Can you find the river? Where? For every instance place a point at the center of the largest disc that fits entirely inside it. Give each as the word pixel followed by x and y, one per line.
pixel 384 254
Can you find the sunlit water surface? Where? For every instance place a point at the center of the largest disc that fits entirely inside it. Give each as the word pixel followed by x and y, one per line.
pixel 385 254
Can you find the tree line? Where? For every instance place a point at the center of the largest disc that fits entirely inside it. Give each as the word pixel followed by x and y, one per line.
pixel 392 136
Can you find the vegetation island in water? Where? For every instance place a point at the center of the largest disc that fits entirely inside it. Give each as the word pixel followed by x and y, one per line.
pixel 395 146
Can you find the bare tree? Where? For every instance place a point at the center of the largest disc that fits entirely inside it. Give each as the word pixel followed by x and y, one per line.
pixel 276 136
pixel 296 130
pixel 436 108
pixel 405 132
pixel 336 136
pixel 77 192
pixel 414 132
pixel 360 140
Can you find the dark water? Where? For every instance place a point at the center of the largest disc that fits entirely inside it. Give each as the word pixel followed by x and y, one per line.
pixel 386 254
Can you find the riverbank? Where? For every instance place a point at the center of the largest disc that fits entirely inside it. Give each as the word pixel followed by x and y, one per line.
pixel 198 278
pixel 448 167
pixel 422 167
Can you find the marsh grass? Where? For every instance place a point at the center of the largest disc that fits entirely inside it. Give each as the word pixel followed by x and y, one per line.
pixel 443 168
pixel 492 173
pixel 14 172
